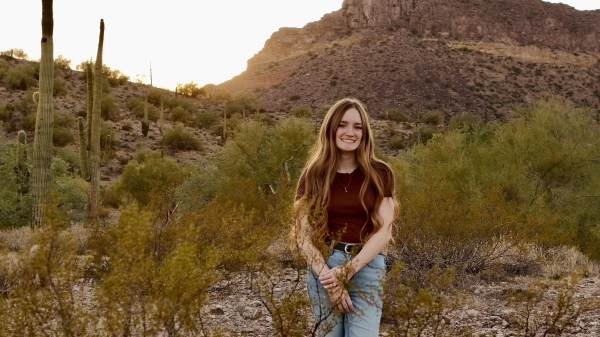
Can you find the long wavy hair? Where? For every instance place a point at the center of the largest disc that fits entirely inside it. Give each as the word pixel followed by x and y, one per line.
pixel 321 167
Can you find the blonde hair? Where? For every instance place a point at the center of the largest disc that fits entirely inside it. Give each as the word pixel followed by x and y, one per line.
pixel 320 170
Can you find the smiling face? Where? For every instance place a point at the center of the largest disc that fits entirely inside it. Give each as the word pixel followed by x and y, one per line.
pixel 349 131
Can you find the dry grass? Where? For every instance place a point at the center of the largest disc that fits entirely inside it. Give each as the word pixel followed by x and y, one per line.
pixel 16 240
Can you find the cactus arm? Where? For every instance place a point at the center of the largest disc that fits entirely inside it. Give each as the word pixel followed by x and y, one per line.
pixel 94 186
pixel 145 123
pixel 42 144
pixel 89 74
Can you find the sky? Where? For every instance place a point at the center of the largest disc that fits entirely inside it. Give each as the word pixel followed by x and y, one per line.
pixel 185 40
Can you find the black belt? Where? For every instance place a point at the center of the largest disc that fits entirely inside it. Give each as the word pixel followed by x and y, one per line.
pixel 350 248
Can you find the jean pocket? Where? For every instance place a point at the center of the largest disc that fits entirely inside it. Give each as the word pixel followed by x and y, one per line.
pixel 378 262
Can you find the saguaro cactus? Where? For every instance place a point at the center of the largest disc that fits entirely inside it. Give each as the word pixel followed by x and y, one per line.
pixel 42 143
pixel 145 123
pixel 84 163
pixel 94 186
pixel 21 170
pixel 106 155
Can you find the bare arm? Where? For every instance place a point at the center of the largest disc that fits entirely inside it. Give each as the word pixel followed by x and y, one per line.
pixel 313 256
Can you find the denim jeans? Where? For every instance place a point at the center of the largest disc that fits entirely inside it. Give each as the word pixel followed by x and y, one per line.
pixel 365 289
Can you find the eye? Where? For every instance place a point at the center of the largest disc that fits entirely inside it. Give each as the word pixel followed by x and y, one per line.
pixel 341 125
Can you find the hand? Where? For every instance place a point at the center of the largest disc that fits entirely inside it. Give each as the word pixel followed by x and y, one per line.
pixel 333 281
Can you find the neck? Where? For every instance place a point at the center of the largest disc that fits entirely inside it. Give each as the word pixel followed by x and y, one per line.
pixel 347 162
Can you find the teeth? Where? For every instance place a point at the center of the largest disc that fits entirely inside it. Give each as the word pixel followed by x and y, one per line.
pixel 347 141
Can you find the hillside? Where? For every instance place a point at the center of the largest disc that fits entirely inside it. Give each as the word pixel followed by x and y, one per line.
pixel 452 56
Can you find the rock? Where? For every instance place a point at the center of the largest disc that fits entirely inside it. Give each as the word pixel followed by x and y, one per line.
pixel 218 310
pixel 251 313
pixel 472 313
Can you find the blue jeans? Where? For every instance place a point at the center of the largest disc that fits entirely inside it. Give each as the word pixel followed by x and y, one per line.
pixel 365 289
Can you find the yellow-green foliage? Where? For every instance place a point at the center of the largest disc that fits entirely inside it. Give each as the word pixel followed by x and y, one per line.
pixel 109 109
pixel 191 89
pixel 179 114
pixel 147 172
pixel 244 104
pixel 47 300
pixel 397 115
pixel 532 178
pixel 136 105
pixel 14 204
pixel 21 77
pixel 464 120
pixel 206 119
pixel 4 66
pixel 176 138
pixel 303 111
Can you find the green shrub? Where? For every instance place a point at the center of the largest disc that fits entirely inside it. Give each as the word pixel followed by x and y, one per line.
pixel 147 173
pixel 244 103
pixel 464 120
pixel 136 105
pixel 186 103
pixel 62 136
pixel 63 120
pixel 191 89
pixel 62 63
pixel 397 143
pixel 109 109
pixel 179 114
pixel 28 122
pixel 21 77
pixel 156 94
pixel 396 115
pixel 58 89
pixel 432 118
pixel 303 111
pixel 294 97
pixel 176 138
pixel 421 135
pixel 4 66
pixel 206 119
pixel 5 113
pixel 26 105
pixel 232 123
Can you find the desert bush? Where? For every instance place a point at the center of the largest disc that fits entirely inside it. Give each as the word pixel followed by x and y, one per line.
pixel 25 105
pixel 303 111
pixel 146 173
pixel 58 89
pixel 188 104
pixel 295 97
pixel 109 109
pixel 5 113
pixel 4 66
pixel 231 125
pixel 28 122
pixel 432 118
pixel 136 105
pixel 21 77
pixel 191 89
pixel 244 104
pixel 156 94
pixel 62 63
pixel 421 135
pixel 179 114
pixel 176 138
pixel 62 136
pixel 397 143
pixel 206 119
pixel 221 95
pixel 464 120
pixel 397 115
pixel 17 239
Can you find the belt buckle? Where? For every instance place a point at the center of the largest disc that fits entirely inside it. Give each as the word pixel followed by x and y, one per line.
pixel 349 245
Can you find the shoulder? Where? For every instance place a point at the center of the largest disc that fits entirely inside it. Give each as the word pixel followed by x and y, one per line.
pixel 386 175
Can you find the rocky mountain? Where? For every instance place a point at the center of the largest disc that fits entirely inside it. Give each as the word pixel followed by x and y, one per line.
pixel 479 56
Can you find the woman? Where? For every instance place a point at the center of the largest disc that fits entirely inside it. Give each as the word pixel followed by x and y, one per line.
pixel 345 206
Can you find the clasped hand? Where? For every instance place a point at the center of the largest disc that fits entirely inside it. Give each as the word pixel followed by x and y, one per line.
pixel 334 281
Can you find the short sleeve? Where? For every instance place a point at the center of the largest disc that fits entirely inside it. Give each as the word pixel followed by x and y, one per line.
pixel 301 187
pixel 387 178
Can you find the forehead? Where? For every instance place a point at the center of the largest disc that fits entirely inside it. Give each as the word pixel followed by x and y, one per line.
pixel 352 115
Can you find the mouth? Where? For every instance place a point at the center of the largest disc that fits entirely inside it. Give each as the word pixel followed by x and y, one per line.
pixel 351 141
